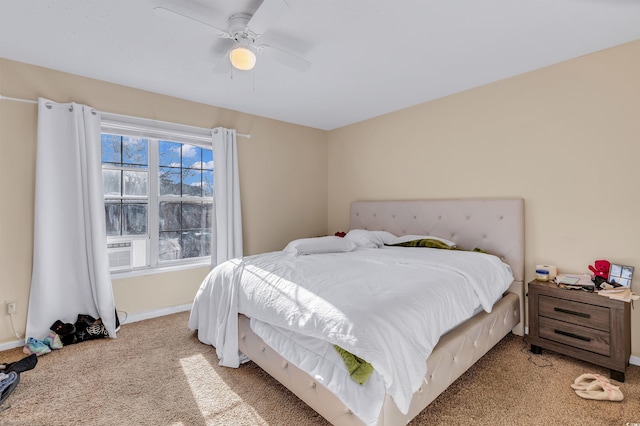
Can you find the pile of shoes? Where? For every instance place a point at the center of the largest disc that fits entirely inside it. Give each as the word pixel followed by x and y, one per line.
pixel 86 327
pixel 62 334
pixel 10 375
pixel 596 386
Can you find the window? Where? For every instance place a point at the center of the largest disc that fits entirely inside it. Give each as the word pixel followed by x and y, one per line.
pixel 185 177
pixel 158 197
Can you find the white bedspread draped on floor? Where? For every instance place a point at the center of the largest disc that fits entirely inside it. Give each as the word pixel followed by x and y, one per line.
pixel 70 263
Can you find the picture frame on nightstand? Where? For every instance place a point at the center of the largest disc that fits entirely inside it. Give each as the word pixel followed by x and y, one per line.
pixel 621 274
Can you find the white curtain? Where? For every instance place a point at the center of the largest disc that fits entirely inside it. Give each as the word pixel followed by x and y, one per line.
pixel 70 262
pixel 227 227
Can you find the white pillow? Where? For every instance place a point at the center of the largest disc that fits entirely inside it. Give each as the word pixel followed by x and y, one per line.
pixel 316 245
pixel 370 239
pixel 405 238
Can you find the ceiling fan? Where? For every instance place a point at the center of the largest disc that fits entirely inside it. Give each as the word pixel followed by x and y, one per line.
pixel 242 33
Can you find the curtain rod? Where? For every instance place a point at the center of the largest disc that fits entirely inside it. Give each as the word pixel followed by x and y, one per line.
pixel 29 101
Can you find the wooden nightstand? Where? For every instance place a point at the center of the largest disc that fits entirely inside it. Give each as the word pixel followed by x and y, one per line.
pixel 583 325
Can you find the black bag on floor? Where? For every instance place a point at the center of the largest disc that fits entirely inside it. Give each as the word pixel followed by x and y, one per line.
pixel 89 328
pixel 86 327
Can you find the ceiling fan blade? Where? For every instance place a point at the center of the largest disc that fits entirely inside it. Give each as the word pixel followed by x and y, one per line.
pixel 171 11
pixel 223 65
pixel 289 59
pixel 222 46
pixel 269 12
pixel 221 56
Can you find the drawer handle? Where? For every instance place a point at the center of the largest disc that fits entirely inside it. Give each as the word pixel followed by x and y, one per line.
pixel 578 314
pixel 575 336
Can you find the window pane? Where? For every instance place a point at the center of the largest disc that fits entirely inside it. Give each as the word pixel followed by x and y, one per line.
pixel 169 246
pixel 169 216
pixel 135 183
pixel 134 218
pixel 111 149
pixel 169 181
pixel 194 244
pixel 193 216
pixel 207 184
pixel 134 151
pixel 112 215
pixel 191 156
pixel 111 181
pixel 192 182
pixel 169 154
pixel 207 159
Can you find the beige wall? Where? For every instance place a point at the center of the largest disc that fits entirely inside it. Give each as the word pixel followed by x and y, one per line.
pixel 283 179
pixel 566 138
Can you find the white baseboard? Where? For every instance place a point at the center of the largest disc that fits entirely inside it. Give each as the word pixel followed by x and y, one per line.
pixel 132 317
pixel 140 316
pixel 10 345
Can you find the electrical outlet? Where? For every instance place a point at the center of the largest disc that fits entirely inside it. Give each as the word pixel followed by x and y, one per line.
pixel 11 308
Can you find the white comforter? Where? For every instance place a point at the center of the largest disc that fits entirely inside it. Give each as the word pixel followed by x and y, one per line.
pixel 389 306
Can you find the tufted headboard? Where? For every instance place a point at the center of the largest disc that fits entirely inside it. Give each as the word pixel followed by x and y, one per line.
pixel 494 225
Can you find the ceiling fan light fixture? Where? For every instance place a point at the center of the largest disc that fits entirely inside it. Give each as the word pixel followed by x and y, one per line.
pixel 242 58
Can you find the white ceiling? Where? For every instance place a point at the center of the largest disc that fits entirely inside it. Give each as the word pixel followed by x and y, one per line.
pixel 369 57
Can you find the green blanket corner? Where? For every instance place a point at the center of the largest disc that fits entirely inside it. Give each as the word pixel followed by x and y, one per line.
pixel 359 369
pixel 426 242
pixel 437 244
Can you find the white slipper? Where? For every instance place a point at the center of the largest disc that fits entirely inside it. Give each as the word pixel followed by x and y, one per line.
pixel 602 391
pixel 584 380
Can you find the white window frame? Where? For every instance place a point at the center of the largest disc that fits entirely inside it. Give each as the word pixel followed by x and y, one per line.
pixel 157 130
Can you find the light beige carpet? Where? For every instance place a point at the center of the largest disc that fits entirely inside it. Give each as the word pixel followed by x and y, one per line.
pixel 157 373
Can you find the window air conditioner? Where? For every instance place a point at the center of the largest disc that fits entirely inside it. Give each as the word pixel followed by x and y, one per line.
pixel 120 255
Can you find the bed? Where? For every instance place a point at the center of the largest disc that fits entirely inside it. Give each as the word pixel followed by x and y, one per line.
pixel 494 226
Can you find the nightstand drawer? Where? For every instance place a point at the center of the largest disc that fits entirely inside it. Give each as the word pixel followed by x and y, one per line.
pixel 572 312
pixel 574 335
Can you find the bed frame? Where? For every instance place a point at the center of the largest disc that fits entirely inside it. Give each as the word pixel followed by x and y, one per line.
pixel 494 225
